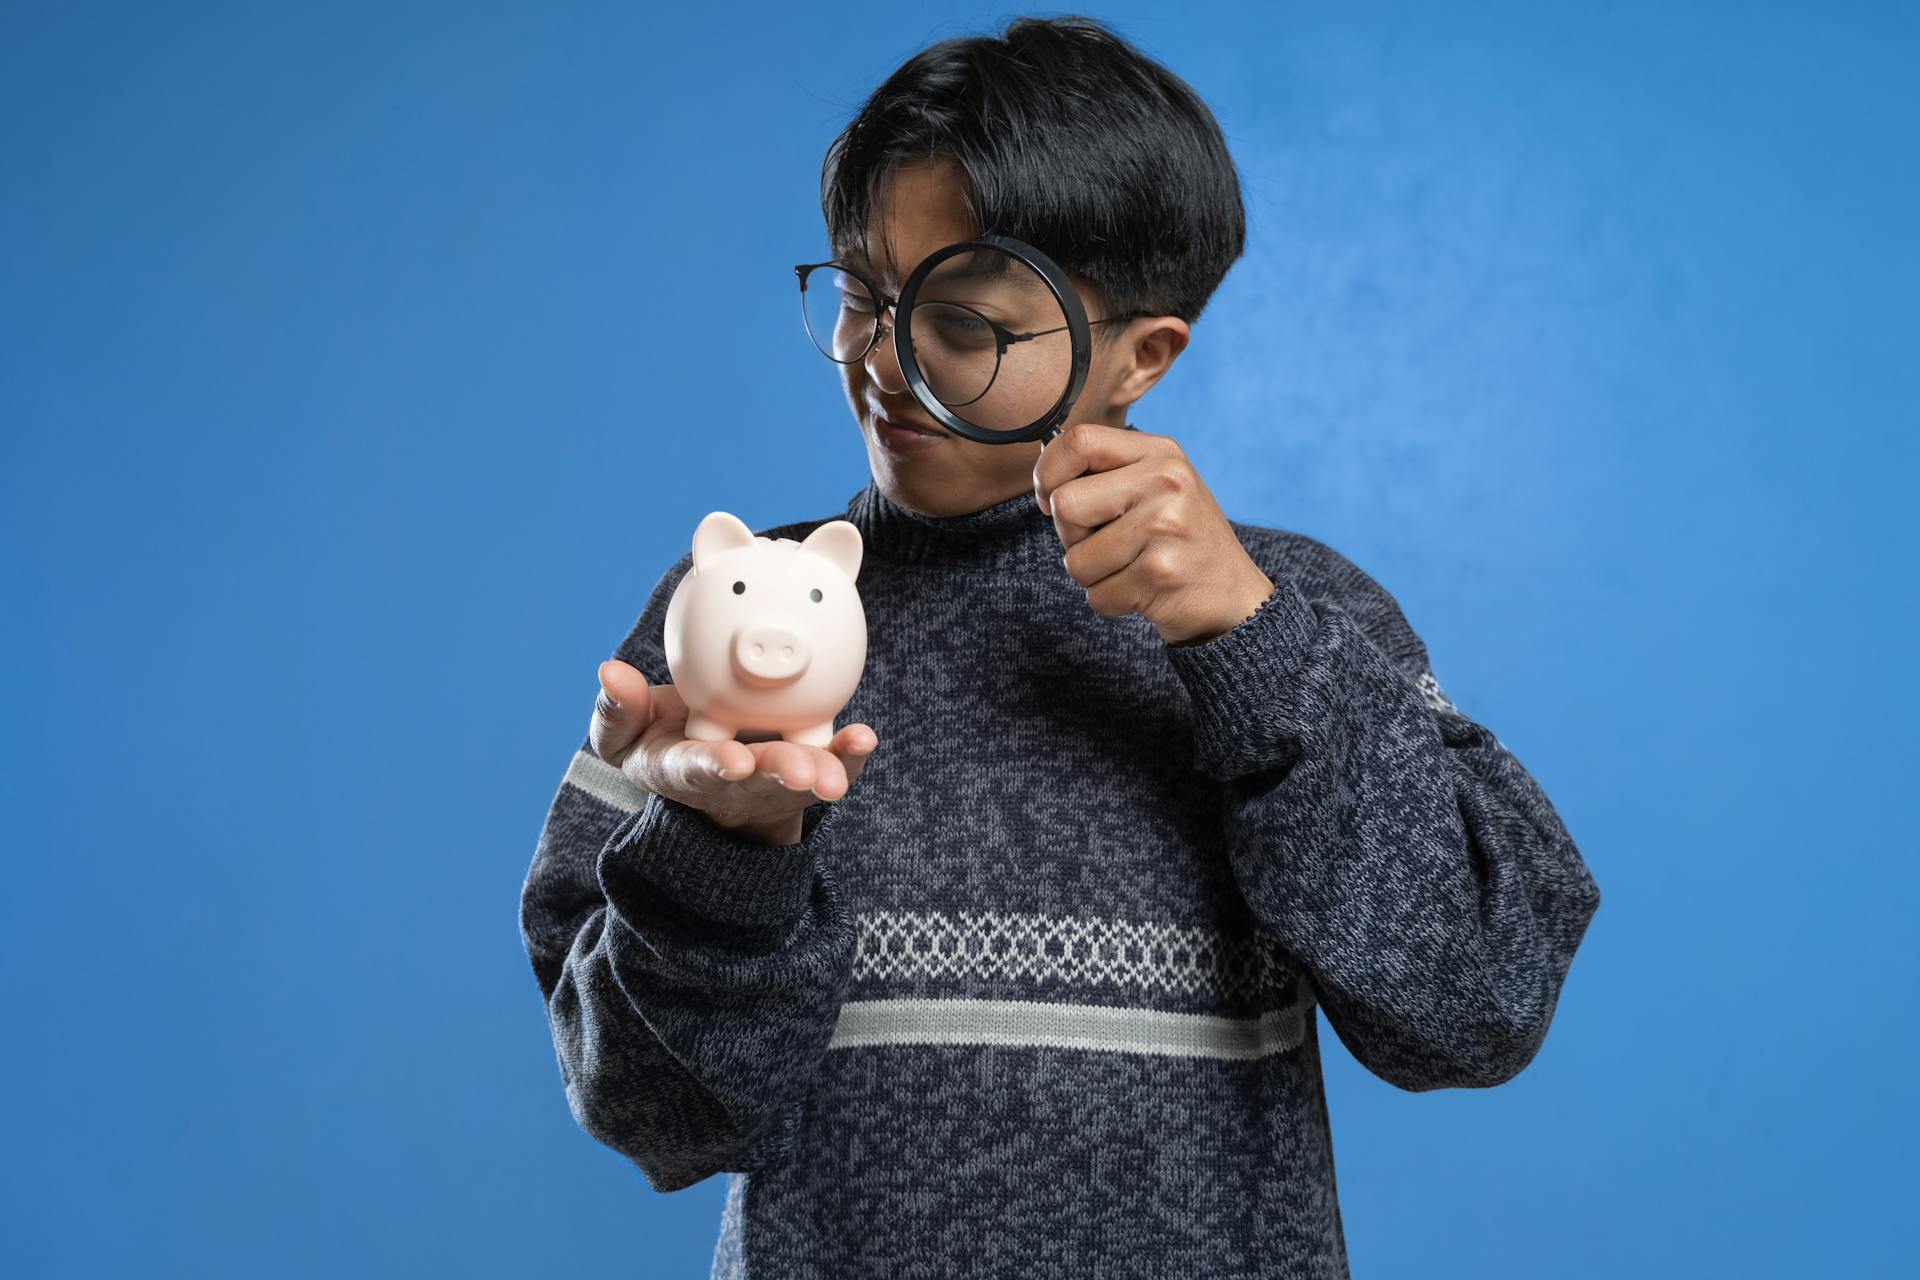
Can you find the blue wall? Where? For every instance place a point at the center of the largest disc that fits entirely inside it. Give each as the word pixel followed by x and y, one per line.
pixel 365 365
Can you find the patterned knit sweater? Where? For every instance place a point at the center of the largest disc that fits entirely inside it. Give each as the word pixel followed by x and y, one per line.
pixel 1037 997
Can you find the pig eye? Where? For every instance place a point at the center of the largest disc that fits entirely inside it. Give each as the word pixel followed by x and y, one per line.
pixel 815 593
pixel 739 587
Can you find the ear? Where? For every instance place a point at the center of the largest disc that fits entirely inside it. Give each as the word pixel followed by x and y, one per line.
pixel 1148 351
pixel 839 541
pixel 717 533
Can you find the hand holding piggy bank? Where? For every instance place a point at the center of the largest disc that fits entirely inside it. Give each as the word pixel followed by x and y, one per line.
pixel 767 634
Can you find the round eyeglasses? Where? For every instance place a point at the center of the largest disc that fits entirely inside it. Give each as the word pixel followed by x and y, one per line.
pixel 991 326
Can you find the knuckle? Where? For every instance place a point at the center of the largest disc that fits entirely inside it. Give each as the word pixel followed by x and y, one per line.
pixel 671 767
pixel 638 769
pixel 1167 524
pixel 1159 567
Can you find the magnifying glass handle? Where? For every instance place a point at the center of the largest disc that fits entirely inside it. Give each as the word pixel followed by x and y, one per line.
pixel 1053 433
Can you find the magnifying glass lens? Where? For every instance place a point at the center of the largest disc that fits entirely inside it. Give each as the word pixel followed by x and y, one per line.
pixel 991 339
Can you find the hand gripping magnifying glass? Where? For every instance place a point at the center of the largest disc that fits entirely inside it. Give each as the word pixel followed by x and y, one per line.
pixel 990 334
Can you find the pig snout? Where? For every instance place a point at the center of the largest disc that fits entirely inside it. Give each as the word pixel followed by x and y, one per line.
pixel 770 655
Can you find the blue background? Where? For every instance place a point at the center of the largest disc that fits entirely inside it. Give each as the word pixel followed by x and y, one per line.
pixel 364 366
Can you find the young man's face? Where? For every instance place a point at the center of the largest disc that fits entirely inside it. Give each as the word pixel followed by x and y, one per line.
pixel 948 474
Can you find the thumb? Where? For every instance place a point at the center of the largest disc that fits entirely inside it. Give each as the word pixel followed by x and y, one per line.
pixel 621 712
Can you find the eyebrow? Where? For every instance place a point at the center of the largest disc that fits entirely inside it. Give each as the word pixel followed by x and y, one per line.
pixel 977 265
pixel 854 258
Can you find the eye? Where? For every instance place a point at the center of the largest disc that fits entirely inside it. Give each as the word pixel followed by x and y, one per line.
pixel 815 593
pixel 739 587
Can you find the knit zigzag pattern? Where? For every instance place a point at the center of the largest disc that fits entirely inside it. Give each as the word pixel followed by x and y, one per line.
pixel 1138 954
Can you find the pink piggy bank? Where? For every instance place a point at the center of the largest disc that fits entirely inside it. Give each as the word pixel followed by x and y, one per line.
pixel 767 634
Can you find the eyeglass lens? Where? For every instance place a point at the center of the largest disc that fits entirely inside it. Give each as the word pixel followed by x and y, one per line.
pixel 990 338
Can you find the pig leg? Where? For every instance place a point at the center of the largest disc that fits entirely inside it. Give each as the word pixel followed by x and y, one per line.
pixel 703 728
pixel 814 735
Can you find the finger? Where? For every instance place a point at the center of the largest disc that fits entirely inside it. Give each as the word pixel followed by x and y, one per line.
pixel 680 765
pixel 667 760
pixel 1119 594
pixel 622 710
pixel 780 767
pixel 720 764
pixel 729 758
pixel 854 741
pixel 1086 503
pixel 842 759
pixel 1110 548
pixel 668 704
pixel 1084 447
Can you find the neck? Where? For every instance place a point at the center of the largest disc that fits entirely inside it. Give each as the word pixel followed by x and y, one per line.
pixel 1011 536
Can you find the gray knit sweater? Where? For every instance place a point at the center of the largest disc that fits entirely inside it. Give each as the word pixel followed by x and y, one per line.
pixel 1037 997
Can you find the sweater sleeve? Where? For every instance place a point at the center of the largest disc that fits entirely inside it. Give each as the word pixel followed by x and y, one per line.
pixel 1390 843
pixel 692 977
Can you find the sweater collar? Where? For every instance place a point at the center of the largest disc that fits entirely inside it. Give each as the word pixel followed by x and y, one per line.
pixel 1012 536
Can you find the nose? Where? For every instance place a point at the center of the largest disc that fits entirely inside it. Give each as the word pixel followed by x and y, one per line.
pixel 770 655
pixel 882 365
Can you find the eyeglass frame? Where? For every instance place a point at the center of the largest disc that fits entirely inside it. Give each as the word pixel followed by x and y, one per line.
pixel 1044 428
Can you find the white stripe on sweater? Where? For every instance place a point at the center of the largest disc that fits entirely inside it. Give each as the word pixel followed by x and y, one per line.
pixel 605 783
pixel 1040 1024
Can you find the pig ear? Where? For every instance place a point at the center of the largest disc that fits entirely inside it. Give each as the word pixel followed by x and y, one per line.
pixel 839 541
pixel 717 533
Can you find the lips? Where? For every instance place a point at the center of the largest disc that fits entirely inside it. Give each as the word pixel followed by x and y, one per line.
pixel 918 428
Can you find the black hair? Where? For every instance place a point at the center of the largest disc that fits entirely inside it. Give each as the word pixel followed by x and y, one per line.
pixel 1070 139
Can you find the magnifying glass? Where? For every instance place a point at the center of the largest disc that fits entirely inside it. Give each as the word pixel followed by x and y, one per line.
pixel 993 340
pixel 990 334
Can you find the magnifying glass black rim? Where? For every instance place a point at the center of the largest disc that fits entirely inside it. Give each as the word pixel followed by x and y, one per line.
pixel 1063 293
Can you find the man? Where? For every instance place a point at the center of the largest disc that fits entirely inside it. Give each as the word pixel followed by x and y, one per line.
pixel 1033 991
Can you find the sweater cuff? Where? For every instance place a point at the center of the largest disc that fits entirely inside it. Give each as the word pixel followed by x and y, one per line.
pixel 713 872
pixel 1235 679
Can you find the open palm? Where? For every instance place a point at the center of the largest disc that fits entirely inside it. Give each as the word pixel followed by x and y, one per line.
pixel 765 786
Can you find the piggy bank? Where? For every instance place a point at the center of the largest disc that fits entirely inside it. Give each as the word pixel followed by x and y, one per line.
pixel 767 634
